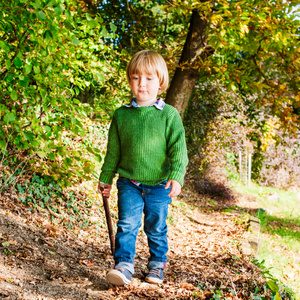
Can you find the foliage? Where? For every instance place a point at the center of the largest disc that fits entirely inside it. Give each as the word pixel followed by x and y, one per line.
pixel 279 291
pixel 51 52
pixel 281 166
pixel 144 25
pixel 63 63
pixel 218 128
pixel 259 46
pixel 255 44
pixel 43 194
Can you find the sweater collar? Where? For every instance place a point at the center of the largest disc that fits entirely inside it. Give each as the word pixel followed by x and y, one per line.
pixel 159 104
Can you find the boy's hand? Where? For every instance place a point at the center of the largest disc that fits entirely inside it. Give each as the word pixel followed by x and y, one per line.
pixel 175 188
pixel 106 191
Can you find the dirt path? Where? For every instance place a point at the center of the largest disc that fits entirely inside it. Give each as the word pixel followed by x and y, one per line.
pixel 39 260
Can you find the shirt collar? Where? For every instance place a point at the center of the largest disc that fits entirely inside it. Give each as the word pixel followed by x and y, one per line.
pixel 159 104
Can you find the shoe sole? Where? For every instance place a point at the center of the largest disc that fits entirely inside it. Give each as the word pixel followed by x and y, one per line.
pixel 117 278
pixel 153 280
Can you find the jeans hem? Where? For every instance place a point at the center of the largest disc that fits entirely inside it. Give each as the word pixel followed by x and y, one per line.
pixel 125 264
pixel 153 264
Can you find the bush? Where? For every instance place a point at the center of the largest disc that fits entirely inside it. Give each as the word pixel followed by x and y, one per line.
pixel 219 124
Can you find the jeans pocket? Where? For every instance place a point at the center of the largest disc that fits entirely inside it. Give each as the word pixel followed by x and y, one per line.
pixel 163 183
pixel 122 182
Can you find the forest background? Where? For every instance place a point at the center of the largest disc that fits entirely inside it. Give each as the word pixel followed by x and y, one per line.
pixel 234 65
pixel 234 69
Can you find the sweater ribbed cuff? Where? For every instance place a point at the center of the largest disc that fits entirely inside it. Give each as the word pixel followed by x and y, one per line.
pixel 175 175
pixel 106 177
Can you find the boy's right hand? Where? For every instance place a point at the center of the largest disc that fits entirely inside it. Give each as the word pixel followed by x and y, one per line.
pixel 104 189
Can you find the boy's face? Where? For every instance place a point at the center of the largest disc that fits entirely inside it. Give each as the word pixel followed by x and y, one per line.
pixel 145 88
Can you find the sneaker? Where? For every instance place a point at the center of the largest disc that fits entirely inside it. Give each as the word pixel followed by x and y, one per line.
pixel 155 275
pixel 119 276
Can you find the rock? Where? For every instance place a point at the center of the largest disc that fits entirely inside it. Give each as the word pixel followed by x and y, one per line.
pixel 274 197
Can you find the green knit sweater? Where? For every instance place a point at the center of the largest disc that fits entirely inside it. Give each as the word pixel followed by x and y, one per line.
pixel 145 144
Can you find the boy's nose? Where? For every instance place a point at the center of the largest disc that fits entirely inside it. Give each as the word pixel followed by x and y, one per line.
pixel 142 82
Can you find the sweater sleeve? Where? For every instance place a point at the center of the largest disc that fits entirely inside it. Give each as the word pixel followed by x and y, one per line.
pixel 112 157
pixel 176 148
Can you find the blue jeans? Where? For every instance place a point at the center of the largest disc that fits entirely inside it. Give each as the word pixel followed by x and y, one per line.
pixel 133 201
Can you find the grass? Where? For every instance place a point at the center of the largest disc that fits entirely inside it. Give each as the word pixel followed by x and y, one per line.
pixel 279 213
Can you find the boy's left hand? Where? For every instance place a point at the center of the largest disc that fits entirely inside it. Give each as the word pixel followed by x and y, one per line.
pixel 175 188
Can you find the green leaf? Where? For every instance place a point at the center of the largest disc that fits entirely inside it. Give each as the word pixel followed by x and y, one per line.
pixel 68 14
pixel 273 286
pixel 277 296
pixel 36 69
pixel 4 46
pixel 233 87
pixel 41 15
pixel 104 31
pixel 41 154
pixel 75 41
pixel 48 129
pixel 113 27
pixel 68 161
pixel 48 35
pixel 93 23
pixel 9 78
pixel 27 69
pixel 51 156
pixel 38 4
pixel 2 144
pixel 57 11
pixel 23 83
pixel 7 64
pixel 98 157
pixel 62 6
pixel 17 62
pixel 9 117
pixel 29 135
pixel 88 17
pixel 87 169
pixel 66 123
pixel 6 244
pixel 100 76
pixel 51 3
pixel 14 95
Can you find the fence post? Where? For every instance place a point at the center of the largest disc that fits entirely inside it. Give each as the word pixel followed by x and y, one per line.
pixel 249 170
pixel 240 164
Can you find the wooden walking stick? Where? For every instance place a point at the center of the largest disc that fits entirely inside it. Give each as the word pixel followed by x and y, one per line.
pixel 108 220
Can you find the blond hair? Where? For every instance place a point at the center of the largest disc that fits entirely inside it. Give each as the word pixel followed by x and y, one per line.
pixel 149 62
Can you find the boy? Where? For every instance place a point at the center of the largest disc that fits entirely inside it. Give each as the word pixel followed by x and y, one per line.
pixel 146 147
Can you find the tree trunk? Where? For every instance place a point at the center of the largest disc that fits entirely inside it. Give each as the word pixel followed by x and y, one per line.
pixel 187 73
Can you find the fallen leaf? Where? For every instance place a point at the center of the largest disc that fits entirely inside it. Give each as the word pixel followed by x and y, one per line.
pixel 6 244
pixel 87 262
pixel 187 286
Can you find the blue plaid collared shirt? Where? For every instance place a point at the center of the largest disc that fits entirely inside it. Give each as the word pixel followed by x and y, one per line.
pixel 159 104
